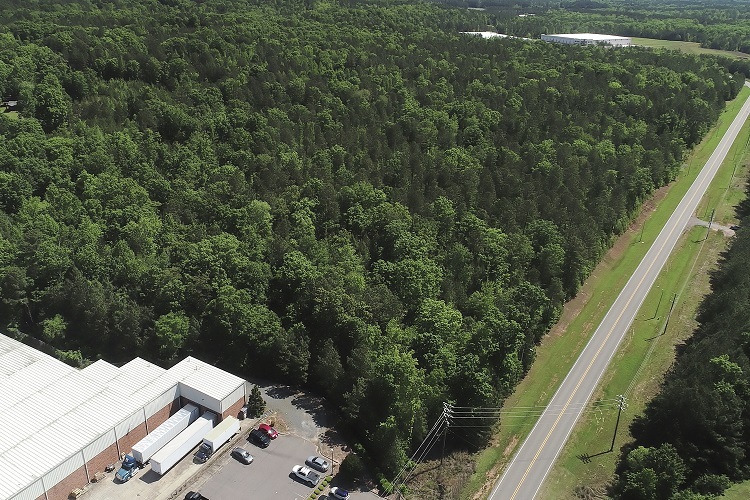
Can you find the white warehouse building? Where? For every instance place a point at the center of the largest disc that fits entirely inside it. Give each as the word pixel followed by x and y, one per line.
pixel 589 39
pixel 60 427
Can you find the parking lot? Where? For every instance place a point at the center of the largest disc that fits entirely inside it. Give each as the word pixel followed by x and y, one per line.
pixel 302 425
pixel 269 476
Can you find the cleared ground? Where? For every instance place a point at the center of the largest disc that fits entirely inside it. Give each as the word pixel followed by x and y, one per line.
pixel 689 47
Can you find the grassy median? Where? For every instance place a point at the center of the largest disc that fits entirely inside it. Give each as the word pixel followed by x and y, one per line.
pixel 645 354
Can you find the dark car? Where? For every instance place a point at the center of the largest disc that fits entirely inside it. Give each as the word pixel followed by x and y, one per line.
pixel 259 438
pixel 734 227
pixel 204 453
pixel 339 493
pixel 194 495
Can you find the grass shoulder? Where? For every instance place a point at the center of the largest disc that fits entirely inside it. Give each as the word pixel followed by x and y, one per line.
pixel 560 349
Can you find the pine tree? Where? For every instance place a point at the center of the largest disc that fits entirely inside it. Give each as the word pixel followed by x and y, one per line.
pixel 256 405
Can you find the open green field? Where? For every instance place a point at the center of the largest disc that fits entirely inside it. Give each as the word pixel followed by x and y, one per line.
pixel 561 348
pixel 689 47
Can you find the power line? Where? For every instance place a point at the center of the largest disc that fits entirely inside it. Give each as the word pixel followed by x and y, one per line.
pixel 468 417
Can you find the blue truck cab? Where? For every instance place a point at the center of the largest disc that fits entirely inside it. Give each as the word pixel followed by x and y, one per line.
pixel 129 469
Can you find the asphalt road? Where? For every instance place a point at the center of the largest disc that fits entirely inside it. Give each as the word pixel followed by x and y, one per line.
pixel 526 473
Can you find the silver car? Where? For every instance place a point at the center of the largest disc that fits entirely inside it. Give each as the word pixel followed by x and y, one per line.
pixel 242 455
pixel 318 463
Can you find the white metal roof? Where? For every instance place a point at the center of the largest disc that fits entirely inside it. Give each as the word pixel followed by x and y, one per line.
pixel 48 405
pixel 101 370
pixel 589 36
pixel 208 379
pixel 484 34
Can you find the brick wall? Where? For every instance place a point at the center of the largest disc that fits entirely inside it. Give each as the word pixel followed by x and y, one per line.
pixel 62 489
pixel 128 440
pixel 234 410
pixel 162 415
pixel 100 462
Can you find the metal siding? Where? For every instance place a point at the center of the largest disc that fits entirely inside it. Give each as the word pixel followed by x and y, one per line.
pixel 200 398
pixel 99 445
pixel 129 423
pixel 161 401
pixel 32 492
pixel 236 395
pixel 16 478
pixel 205 378
pixel 66 468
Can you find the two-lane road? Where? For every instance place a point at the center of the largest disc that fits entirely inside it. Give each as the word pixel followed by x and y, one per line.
pixel 525 474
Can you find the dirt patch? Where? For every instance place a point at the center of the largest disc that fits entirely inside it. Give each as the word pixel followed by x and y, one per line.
pixel 276 420
pixel 511 446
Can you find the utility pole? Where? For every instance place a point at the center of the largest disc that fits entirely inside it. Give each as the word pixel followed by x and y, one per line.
pixel 640 238
pixel 666 323
pixel 447 413
pixel 621 405
pixel 709 223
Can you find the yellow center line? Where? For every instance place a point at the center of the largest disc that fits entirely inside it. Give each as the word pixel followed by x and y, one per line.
pixel 596 355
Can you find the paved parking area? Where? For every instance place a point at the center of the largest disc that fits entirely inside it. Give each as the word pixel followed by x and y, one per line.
pixel 303 432
pixel 269 476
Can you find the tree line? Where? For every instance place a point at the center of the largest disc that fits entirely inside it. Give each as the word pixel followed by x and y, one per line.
pixel 347 196
pixel 691 442
pixel 723 24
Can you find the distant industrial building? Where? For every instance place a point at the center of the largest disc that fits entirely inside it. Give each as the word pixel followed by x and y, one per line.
pixel 588 39
pixel 491 34
pixel 60 427
pixel 484 34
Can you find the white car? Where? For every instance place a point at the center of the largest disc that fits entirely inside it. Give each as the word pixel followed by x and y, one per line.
pixel 306 474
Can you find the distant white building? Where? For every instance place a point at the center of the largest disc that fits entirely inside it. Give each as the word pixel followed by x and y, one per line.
pixel 484 34
pixel 589 39
pixel 491 34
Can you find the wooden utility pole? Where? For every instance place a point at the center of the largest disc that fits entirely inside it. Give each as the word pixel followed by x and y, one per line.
pixel 622 404
pixel 666 323
pixel 447 414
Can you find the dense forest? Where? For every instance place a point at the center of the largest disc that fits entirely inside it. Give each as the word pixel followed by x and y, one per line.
pixel 693 440
pixel 351 197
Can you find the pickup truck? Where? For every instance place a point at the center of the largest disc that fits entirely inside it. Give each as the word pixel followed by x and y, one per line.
pixel 129 469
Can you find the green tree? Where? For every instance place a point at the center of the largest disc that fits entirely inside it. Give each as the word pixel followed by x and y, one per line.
pixel 52 104
pixel 256 405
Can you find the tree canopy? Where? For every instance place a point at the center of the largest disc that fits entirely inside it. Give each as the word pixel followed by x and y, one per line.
pixel 348 196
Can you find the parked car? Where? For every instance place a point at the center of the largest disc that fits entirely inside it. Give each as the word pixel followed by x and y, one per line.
pixel 318 463
pixel 306 475
pixel 269 430
pixel 259 438
pixel 734 227
pixel 242 455
pixel 194 495
pixel 339 493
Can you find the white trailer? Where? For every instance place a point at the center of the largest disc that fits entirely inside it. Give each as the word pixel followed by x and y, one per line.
pixel 144 449
pixel 167 457
pixel 221 433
